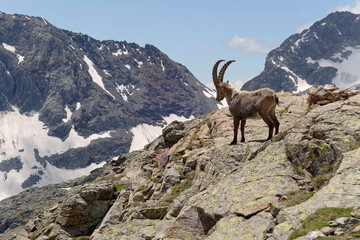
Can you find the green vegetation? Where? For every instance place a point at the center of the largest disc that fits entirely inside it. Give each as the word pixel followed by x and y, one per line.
pixel 108 178
pixel 156 164
pixel 179 188
pixel 309 108
pixel 247 152
pixel 322 180
pixel 201 143
pixel 118 187
pixel 297 197
pixel 297 170
pixel 180 171
pixel 208 122
pixel 141 188
pixel 81 238
pixel 320 219
pixel 285 110
pixel 332 238
pixel 177 155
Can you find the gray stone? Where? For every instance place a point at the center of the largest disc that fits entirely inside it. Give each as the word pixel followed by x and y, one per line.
pixel 346 221
pixel 315 234
pixel 327 230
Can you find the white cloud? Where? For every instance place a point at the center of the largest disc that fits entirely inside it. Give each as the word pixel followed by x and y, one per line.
pixel 249 45
pixel 354 8
pixel 302 28
pixel 210 85
pixel 237 84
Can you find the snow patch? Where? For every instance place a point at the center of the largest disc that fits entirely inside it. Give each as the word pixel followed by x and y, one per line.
pixel 9 47
pixel 162 66
pixel 25 132
pixel 300 84
pixel 209 93
pixel 125 90
pixel 78 105
pixel 95 76
pixel 107 73
pixel 145 133
pixel 139 63
pixel 68 114
pixel 120 52
pixel 348 71
pixel 13 49
pixel 127 66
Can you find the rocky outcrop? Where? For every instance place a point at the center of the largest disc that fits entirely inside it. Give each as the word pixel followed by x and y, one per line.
pixel 203 188
pixel 323 95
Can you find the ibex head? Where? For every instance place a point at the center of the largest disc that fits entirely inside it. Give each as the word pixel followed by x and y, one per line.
pixel 218 79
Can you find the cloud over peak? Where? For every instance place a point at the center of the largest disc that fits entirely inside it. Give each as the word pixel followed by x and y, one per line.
pixel 249 45
pixel 355 8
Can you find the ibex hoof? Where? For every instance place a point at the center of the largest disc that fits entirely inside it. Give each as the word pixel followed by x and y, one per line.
pixel 233 143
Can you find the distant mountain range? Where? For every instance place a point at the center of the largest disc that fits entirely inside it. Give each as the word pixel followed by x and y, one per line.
pixel 327 52
pixel 68 102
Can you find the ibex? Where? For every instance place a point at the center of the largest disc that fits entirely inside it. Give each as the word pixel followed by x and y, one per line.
pixel 246 105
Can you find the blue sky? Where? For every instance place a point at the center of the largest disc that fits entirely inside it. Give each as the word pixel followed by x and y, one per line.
pixel 194 33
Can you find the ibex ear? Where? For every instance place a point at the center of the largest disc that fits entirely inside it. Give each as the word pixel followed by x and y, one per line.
pixel 227 81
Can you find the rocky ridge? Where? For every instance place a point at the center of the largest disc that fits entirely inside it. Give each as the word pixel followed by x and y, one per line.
pixel 200 187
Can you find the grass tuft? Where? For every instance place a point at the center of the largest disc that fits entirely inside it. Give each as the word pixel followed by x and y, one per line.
pixel 297 197
pixel 319 219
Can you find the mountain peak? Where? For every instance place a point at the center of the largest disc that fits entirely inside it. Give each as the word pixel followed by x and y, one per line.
pixel 319 55
pixel 87 95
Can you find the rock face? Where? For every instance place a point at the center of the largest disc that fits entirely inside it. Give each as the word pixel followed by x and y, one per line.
pixel 203 188
pixel 322 54
pixel 68 101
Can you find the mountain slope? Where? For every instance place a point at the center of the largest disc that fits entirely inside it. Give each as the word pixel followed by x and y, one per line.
pixel 327 52
pixel 68 101
pixel 203 188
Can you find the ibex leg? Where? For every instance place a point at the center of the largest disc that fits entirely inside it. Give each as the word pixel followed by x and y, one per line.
pixel 269 122
pixel 236 129
pixel 275 120
pixel 242 128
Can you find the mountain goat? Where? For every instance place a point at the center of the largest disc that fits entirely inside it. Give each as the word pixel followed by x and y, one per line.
pixel 246 105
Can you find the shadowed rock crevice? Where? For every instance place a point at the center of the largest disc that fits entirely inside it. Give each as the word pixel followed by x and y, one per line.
pixel 207 221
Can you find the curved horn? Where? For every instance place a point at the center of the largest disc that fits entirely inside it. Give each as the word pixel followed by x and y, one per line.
pixel 214 72
pixel 223 69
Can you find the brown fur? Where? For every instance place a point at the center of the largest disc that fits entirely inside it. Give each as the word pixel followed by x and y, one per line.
pixel 245 105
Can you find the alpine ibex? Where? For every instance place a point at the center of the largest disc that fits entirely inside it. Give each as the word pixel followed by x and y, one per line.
pixel 246 105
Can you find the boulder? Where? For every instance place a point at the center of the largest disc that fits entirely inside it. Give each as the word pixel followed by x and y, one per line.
pixel 323 95
pixel 173 133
